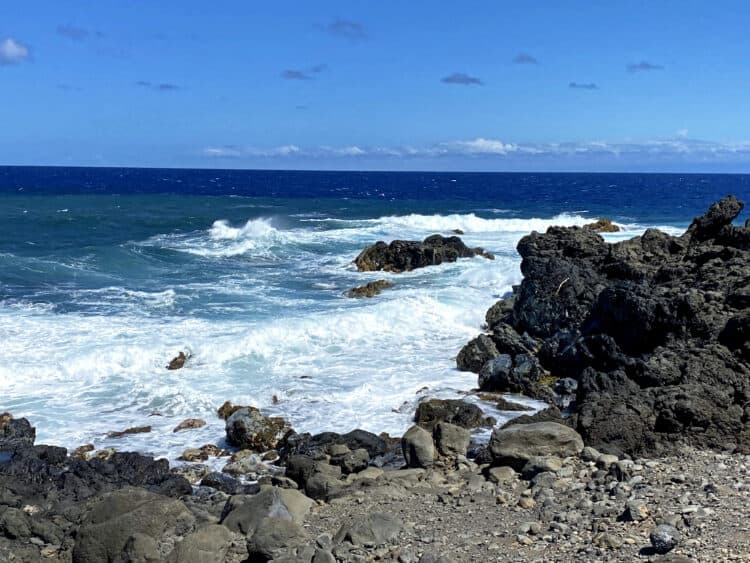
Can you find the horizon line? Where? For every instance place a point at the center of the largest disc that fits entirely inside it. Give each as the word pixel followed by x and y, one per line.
pixel 374 171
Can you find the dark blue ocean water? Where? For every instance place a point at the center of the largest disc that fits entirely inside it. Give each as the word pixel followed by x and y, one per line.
pixel 106 273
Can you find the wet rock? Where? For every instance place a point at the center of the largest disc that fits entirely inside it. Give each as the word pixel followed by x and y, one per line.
pixel 247 428
pixel 664 538
pixel 193 472
pixel 518 444
pixel 189 423
pixel 451 440
pixel 128 431
pixel 518 374
pixel 193 455
pixel 476 354
pixel 404 255
pixel 228 484
pixel 504 404
pixel 602 226
pixel 178 362
pixel 453 411
pixel 81 452
pixel 418 448
pixel 500 313
pixel 370 290
pixel 317 446
pixel 228 409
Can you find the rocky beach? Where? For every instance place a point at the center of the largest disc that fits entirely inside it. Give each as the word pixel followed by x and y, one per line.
pixel 639 348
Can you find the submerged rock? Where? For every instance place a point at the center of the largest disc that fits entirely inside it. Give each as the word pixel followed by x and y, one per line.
pixel 370 290
pixel 189 424
pixel 128 431
pixel 178 362
pixel 405 255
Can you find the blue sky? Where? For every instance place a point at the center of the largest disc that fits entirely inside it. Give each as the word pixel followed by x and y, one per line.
pixel 535 86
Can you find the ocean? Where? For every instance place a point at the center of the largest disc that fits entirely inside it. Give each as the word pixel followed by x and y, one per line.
pixel 106 274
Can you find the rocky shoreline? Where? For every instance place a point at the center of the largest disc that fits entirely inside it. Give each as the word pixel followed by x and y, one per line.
pixel 640 348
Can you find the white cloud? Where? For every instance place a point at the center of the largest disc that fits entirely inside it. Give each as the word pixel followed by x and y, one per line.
pixel 481 145
pixel 222 151
pixel 678 146
pixel 346 151
pixel 13 52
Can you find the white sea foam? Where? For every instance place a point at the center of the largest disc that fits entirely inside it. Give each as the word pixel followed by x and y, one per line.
pixel 333 363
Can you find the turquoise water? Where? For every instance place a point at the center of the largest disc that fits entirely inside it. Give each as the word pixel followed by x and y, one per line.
pixel 99 291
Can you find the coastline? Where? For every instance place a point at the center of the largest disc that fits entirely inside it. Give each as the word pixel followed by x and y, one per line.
pixel 446 483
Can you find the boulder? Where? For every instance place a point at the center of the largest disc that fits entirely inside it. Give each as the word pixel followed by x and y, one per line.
pixel 518 444
pixel 352 461
pixel 134 521
pixel 372 530
pixel 405 255
pixel 212 543
pixel 451 440
pixel 318 478
pixel 418 448
pixel 273 536
pixel 370 289
pixel 247 428
pixel 243 514
pixel 476 354
pixel 454 411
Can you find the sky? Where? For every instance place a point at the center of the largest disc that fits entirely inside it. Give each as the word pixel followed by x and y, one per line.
pixel 361 85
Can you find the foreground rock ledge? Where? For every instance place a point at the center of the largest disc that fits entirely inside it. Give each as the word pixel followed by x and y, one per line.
pixel 644 342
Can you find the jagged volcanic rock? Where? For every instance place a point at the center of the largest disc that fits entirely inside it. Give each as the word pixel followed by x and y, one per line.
pixel 653 329
pixel 405 255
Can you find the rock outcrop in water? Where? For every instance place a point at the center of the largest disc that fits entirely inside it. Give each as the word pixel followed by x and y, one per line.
pixel 405 255
pixel 648 337
pixel 370 289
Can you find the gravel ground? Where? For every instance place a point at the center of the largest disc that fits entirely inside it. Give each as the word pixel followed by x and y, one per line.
pixel 593 510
